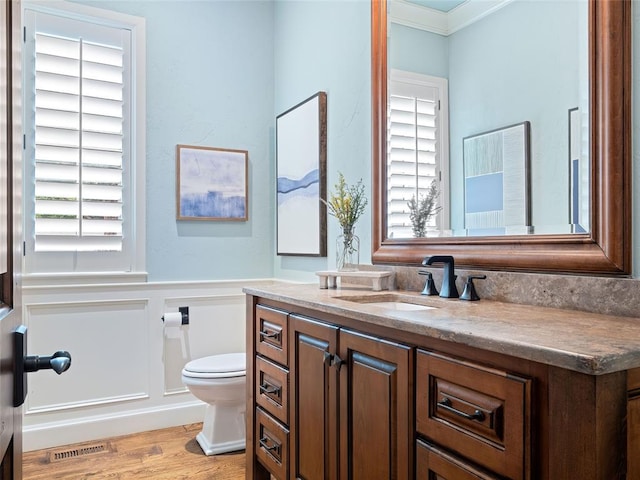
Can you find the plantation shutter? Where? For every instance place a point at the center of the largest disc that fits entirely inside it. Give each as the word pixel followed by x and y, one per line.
pixel 78 145
pixel 412 156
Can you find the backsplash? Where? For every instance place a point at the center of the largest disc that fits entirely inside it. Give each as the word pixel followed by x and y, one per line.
pixel 606 295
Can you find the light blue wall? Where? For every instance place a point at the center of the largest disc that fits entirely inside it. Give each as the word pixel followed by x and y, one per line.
pixel 418 51
pixel 319 45
pixel 325 46
pixel 209 82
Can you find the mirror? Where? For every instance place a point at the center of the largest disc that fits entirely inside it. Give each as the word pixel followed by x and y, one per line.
pixel 481 102
pixel 602 247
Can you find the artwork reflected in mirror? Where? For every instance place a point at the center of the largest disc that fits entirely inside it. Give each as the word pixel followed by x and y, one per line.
pixel 457 73
pixel 497 182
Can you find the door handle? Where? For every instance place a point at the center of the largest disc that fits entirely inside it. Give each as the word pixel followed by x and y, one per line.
pixel 59 362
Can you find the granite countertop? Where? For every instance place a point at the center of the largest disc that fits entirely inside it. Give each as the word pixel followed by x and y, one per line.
pixel 584 342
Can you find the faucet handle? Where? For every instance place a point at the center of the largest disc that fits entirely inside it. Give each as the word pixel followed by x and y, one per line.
pixel 429 286
pixel 469 292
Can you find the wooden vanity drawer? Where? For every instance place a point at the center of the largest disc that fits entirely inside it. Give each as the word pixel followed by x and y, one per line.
pixel 272 445
pixel 271 334
pixel 272 389
pixel 479 412
pixel 434 463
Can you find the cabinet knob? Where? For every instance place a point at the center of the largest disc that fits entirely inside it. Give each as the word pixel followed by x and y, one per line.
pixel 337 362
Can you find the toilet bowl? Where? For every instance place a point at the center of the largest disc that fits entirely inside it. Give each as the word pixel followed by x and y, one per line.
pixel 219 381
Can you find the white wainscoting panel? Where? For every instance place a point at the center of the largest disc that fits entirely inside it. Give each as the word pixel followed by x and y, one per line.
pixel 109 349
pixel 125 375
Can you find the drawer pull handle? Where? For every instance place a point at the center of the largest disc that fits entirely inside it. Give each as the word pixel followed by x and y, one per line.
pixel 265 334
pixel 445 403
pixel 265 445
pixel 269 389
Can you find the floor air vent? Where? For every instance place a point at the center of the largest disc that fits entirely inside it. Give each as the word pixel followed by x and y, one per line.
pixel 76 452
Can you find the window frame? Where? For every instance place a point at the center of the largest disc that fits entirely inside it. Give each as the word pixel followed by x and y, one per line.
pixel 82 266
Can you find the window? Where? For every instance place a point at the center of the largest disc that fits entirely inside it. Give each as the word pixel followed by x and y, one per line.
pixel 84 141
pixel 417 148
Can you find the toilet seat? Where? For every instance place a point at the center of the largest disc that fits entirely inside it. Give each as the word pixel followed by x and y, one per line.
pixel 227 365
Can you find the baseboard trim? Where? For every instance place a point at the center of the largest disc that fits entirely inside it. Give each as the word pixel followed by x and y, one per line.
pixel 86 429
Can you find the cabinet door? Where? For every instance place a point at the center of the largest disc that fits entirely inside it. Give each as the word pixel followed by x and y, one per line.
pixel 633 437
pixel 376 411
pixel 313 399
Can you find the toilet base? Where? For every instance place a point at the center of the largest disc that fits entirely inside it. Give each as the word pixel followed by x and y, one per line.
pixel 216 448
pixel 223 429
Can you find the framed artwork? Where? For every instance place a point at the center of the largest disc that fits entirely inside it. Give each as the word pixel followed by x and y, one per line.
pixel 578 176
pixel 497 182
pixel 211 183
pixel 301 163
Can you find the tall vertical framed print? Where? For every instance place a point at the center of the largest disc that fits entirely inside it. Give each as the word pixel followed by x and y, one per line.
pixel 301 163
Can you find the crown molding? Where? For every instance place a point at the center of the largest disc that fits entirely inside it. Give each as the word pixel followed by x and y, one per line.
pixel 409 14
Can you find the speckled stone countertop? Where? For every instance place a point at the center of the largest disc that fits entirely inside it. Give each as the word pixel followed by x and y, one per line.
pixel 585 342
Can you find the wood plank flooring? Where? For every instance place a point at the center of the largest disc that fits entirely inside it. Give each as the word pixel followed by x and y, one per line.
pixel 169 454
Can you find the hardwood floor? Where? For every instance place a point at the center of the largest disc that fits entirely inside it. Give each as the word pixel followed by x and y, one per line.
pixel 169 454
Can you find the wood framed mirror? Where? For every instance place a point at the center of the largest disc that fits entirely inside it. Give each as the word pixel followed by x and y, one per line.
pixel 606 249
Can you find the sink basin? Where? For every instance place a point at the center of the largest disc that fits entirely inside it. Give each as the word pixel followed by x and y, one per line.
pixel 390 301
pixel 400 306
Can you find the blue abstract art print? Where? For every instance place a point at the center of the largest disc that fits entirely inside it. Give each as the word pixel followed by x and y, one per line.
pixel 497 182
pixel 301 150
pixel 211 183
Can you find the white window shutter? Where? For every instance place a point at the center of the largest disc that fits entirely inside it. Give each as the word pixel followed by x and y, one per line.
pixel 78 145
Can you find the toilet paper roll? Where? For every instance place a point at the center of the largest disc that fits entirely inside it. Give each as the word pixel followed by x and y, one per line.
pixel 172 319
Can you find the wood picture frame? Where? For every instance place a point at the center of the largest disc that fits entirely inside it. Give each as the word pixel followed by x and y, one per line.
pixel 211 183
pixel 578 176
pixel 301 164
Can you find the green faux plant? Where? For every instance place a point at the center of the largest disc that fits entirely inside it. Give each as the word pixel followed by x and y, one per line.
pixel 422 209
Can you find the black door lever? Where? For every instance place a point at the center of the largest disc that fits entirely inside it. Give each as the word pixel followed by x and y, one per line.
pixel 59 362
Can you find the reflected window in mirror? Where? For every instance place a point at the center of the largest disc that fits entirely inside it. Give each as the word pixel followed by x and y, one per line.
pixel 417 155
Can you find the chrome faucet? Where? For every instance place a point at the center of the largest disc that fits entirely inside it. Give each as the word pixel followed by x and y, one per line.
pixel 448 289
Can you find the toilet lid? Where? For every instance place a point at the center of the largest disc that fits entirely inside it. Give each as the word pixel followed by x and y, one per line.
pixel 226 363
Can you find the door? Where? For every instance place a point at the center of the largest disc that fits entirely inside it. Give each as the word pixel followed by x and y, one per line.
pixel 314 421
pixel 376 411
pixel 10 233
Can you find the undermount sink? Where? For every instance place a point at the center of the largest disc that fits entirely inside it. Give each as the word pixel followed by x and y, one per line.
pixel 389 301
pixel 400 306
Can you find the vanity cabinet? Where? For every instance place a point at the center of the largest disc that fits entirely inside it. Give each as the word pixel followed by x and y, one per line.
pixel 633 415
pixel 349 402
pixel 434 463
pixel 333 395
pixel 482 413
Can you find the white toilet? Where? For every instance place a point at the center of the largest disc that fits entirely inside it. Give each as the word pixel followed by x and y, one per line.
pixel 220 381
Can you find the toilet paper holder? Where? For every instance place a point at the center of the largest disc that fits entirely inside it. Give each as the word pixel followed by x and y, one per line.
pixel 184 312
